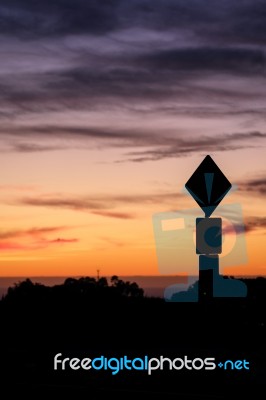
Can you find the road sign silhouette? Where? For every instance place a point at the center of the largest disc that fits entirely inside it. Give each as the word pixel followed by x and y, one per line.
pixel 208 185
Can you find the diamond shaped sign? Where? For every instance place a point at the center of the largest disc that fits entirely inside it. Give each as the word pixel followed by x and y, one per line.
pixel 208 185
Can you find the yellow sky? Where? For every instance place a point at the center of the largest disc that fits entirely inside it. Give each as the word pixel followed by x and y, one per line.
pixel 73 212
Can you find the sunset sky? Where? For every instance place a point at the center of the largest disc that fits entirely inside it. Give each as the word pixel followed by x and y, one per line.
pixel 107 108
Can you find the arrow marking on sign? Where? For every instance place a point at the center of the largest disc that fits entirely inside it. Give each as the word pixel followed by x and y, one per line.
pixel 208 182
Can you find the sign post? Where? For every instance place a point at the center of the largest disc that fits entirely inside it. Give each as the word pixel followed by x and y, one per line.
pixel 208 186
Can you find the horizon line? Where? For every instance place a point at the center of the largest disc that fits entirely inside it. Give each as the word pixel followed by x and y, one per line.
pixel 104 276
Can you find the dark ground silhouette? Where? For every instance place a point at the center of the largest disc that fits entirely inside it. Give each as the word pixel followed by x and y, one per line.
pixel 88 318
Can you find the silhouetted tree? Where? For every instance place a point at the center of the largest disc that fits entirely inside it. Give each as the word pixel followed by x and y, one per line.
pixel 127 288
